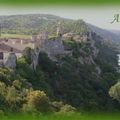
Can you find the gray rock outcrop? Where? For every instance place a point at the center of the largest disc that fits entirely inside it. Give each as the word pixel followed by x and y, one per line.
pixel 11 61
pixel 52 47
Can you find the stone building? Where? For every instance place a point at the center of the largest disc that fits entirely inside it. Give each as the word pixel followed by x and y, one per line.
pixel 82 37
pixel 15 41
pixel 41 36
pixel 77 38
pixel 68 36
pixel 52 47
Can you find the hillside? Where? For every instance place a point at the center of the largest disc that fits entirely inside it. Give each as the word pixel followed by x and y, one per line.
pixel 33 23
pixel 107 34
pixel 28 24
pixel 78 79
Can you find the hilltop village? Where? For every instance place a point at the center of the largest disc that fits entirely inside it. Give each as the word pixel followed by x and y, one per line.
pixel 12 48
pixel 48 66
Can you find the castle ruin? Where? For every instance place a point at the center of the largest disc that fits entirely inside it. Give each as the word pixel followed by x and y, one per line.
pixel 52 47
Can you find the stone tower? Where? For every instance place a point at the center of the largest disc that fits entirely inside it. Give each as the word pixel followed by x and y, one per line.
pixel 45 35
pixel 59 30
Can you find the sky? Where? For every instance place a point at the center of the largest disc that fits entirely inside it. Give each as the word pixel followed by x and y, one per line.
pixel 100 16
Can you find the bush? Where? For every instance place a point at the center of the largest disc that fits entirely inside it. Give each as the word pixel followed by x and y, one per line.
pixel 36 101
pixel 17 84
pixel 62 108
pixel 57 105
pixel 67 108
pixel 114 91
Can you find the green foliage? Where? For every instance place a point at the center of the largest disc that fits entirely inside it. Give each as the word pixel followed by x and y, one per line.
pixel 79 84
pixel 13 98
pixel 62 116
pixel 17 84
pixel 27 53
pixel 36 101
pixel 12 35
pixel 38 79
pixel 24 26
pixel 60 107
pixel 67 80
pixel 67 108
pixel 114 91
pixel 2 88
pixel 21 62
pixel 46 64
pixel 10 97
pixel 23 68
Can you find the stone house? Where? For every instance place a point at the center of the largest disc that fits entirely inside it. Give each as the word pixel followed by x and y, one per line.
pixel 82 37
pixel 68 36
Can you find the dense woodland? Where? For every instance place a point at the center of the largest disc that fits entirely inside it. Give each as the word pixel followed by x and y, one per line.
pixel 58 87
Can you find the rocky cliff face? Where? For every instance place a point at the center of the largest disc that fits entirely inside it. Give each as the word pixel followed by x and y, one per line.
pixel 55 47
pixel 52 47
pixel 11 61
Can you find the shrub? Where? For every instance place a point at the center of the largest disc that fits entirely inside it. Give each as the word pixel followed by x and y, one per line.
pixel 62 108
pixel 17 84
pixel 114 91
pixel 36 101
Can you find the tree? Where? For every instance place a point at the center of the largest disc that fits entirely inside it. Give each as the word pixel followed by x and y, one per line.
pixel 17 84
pixel 27 54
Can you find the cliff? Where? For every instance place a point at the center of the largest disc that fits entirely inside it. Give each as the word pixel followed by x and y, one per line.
pixel 11 61
pixel 57 48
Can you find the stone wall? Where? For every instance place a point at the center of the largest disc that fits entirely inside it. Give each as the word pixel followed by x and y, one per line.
pixel 52 47
pixel 6 55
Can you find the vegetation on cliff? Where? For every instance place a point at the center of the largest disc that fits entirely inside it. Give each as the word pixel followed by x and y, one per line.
pixel 78 80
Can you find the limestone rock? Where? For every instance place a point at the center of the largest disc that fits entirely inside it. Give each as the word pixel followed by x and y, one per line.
pixel 89 60
pixel 98 70
pixel 53 47
pixel 34 56
pixel 11 61
pixel 95 50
